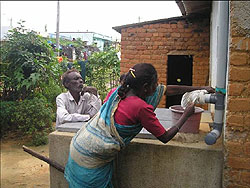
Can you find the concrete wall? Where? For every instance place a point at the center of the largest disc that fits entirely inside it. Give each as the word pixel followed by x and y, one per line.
pixel 149 163
pixel 58 151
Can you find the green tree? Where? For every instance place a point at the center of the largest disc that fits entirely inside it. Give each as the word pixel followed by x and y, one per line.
pixel 27 64
pixel 103 68
pixel 29 84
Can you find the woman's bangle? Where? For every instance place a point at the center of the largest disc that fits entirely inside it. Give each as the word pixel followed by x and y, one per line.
pixel 177 127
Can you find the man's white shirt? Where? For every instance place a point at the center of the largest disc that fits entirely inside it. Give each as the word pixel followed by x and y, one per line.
pixel 69 111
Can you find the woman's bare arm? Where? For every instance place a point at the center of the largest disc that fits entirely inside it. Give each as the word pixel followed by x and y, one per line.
pixel 169 134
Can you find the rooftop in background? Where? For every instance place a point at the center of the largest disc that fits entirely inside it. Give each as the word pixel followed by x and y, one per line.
pixel 89 37
pixel 165 20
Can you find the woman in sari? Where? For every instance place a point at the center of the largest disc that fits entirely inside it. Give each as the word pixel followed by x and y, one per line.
pixel 129 108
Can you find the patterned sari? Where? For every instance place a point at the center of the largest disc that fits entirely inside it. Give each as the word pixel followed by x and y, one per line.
pixel 94 147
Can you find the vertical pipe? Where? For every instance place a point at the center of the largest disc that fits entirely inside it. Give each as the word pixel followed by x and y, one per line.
pixel 222 44
pixel 222 59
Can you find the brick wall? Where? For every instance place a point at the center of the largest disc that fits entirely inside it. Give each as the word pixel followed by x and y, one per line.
pixel 152 43
pixel 237 130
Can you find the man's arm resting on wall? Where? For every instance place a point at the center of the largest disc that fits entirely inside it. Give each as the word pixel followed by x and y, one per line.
pixel 94 105
pixel 64 116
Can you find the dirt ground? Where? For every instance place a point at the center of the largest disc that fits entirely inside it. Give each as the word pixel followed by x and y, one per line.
pixel 20 169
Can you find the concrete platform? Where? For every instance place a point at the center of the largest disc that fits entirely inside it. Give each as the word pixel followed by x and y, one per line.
pixel 163 114
pixel 184 162
pixel 148 163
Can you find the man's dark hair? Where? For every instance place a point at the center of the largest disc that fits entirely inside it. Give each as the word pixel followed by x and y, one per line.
pixel 65 78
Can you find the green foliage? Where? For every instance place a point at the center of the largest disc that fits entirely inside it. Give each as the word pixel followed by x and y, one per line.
pixel 29 84
pixel 7 109
pixel 50 91
pixel 27 62
pixel 40 138
pixel 102 68
pixel 31 117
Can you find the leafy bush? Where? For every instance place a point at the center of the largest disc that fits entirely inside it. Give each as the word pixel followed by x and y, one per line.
pixel 101 69
pixel 31 117
pixel 27 63
pixel 40 138
pixel 7 109
pixel 50 91
pixel 29 84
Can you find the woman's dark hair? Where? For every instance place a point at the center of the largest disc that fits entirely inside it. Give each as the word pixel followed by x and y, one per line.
pixel 122 78
pixel 136 77
pixel 65 77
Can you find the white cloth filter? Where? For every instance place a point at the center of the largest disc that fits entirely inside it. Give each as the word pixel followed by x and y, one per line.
pixel 197 97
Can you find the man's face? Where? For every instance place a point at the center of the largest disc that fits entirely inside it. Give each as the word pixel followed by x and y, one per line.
pixel 75 83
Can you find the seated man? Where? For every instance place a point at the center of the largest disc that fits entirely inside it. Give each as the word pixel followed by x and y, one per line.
pixel 79 103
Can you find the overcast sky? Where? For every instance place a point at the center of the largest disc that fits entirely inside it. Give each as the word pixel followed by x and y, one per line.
pixel 94 16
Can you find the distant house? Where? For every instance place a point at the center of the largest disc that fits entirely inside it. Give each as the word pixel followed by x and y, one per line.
pixel 91 38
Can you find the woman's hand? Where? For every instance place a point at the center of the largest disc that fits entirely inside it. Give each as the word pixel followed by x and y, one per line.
pixel 169 134
pixel 189 110
pixel 209 89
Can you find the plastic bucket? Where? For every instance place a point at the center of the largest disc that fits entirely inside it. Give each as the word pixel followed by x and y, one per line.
pixel 192 124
